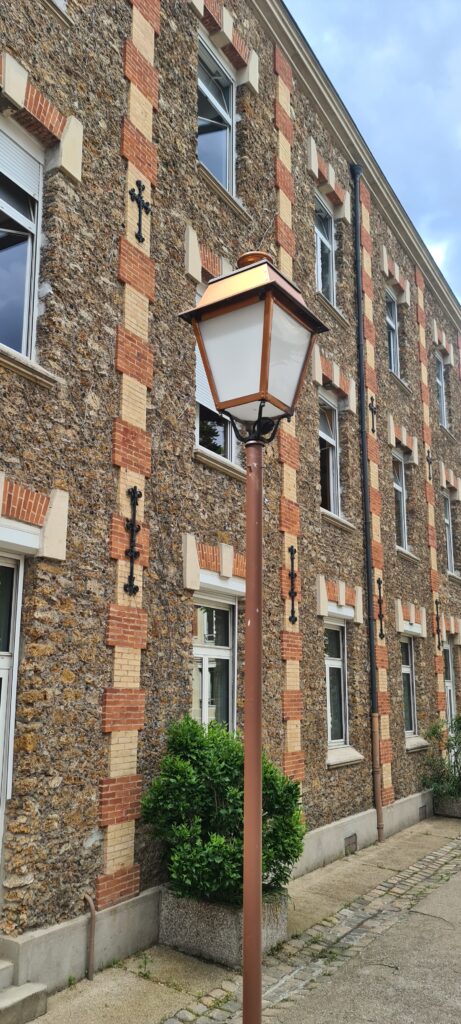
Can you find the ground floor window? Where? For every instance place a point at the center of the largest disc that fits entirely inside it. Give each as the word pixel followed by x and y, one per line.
pixel 336 682
pixel 409 686
pixel 214 648
pixel 11 570
pixel 450 689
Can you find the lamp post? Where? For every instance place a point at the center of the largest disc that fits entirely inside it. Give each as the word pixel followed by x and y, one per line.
pixel 255 335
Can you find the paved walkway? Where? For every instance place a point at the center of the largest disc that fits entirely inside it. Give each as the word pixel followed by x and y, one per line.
pixel 336 914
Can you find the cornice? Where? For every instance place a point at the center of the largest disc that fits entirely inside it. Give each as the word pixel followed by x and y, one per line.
pixel 324 98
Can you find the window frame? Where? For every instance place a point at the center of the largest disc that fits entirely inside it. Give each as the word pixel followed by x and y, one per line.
pixel 201 651
pixel 231 443
pixel 441 388
pixel 331 246
pixel 340 662
pixel 399 458
pixel 34 228
pixel 393 350
pixel 335 454
pixel 409 670
pixel 206 49
pixel 449 538
pixel 449 681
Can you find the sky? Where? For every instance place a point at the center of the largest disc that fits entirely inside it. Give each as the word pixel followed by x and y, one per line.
pixel 396 65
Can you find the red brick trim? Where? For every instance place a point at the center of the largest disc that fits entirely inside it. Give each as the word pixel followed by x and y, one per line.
pixel 365 196
pixel 289 516
pixel 139 151
pixel 119 799
pixel 441 701
pixel 134 357
pixel 40 117
pixel 122 710
pixel 208 557
pixel 284 179
pixel 291 646
pixel 382 657
pixel 212 15
pixel 293 766
pixel 126 627
pixel 131 447
pixel 238 52
pixel 292 705
pixel 136 268
pixel 288 449
pixel 384 702
pixel 283 122
pixel 118 541
pixel 150 10
pixel 119 886
pixel 23 504
pixel 211 262
pixel 240 566
pixel 388 796
pixel 138 70
pixel 282 67
pixel 285 236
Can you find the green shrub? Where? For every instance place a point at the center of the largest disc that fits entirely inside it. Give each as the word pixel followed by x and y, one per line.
pixel 442 771
pixel 195 805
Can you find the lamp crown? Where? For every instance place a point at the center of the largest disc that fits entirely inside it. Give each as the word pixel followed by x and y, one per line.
pixel 248 258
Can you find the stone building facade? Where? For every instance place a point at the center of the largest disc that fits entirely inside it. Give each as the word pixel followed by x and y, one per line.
pixel 107 415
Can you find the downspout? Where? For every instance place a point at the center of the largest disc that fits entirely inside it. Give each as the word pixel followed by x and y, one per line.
pixel 357 171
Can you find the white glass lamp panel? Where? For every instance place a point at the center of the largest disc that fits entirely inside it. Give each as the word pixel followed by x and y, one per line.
pixel 289 346
pixel 233 345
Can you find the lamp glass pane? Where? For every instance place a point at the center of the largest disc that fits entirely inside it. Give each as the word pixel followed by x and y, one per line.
pixel 289 345
pixel 233 343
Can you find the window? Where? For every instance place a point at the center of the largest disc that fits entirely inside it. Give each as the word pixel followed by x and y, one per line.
pixel 216 118
pixel 441 380
pixel 324 250
pixel 409 687
pixel 448 518
pixel 392 324
pixel 400 498
pixel 335 670
pixel 329 457
pixel 213 678
pixel 20 197
pixel 213 432
pixel 450 689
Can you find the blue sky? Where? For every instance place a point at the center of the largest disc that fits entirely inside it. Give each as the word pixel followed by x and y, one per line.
pixel 397 67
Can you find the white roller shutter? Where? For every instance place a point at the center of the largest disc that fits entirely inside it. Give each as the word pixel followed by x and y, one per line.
pixel 202 388
pixel 20 166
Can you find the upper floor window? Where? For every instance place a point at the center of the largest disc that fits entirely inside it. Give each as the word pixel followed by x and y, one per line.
pixel 409 686
pixel 213 676
pixel 392 325
pixel 448 519
pixel 336 681
pixel 400 500
pixel 325 250
pixel 216 118
pixel 441 380
pixel 329 457
pixel 20 201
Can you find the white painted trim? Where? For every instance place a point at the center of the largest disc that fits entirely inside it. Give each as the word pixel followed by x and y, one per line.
pixel 20 538
pixel 338 757
pixel 340 611
pixel 14 680
pixel 212 582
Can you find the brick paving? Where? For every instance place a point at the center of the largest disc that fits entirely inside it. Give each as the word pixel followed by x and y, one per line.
pixel 318 952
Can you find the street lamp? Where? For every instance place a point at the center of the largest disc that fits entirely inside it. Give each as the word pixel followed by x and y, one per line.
pixel 255 335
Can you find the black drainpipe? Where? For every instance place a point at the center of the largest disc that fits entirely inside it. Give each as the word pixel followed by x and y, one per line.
pixel 357 171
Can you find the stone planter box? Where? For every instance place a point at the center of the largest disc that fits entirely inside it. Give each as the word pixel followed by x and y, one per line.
pixel 213 931
pixel 448 807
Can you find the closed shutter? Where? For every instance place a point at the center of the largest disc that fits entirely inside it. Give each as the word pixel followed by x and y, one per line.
pixel 202 388
pixel 20 166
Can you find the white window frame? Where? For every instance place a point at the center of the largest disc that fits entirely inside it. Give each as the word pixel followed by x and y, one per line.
pixel 335 453
pixel 402 489
pixel 24 140
pixel 392 325
pixel 203 652
pixel 330 244
pixel 449 540
pixel 450 682
pixel 440 368
pixel 341 663
pixel 409 670
pixel 207 49
pixel 17 561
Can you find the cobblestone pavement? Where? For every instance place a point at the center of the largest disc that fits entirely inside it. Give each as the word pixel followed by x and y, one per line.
pixel 318 952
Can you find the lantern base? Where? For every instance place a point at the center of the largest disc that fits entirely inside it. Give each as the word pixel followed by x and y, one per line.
pixel 263 430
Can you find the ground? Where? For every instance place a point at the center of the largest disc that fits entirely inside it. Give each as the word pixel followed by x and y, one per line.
pixel 374 937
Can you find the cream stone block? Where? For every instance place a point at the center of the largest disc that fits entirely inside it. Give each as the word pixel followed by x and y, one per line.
pixel 443 474
pixel 285 263
pixel 131 209
pixel 53 535
pixel 292 736
pixel 133 401
pixel 458 633
pixel 382 680
pixel 289 540
pixel 292 675
pixel 14 81
pixel 226 560
pixel 126 480
pixel 127 668
pixel 390 430
pixel 283 95
pixel 143 35
pixel 358 614
pixel 343 212
pixel 226 266
pixel 316 365
pixel 366 262
pixel 413 458
pixel 224 36
pixel 368 307
pixel 335 374
pixel 386 775
pixel 420 298
pixel 403 437
pixel 190 561
pixel 136 312
pixel 284 150
pixel 365 215
pixel 122 570
pixel 373 475
pixel 312 158
pixel 289 483
pixel 67 155
pixel 123 753
pixel 426 414
pixel 404 298
pixel 351 400
pixel 285 208
pixel 424 377
pixel 322 596
pixel 192 258
pixel 435 333
pixel 431 515
pixel 376 526
pixel 385 727
pixel 140 111
pixel 198 7
pixel 422 612
pixel 433 558
pixel 2 484
pixel 289 426
pixel 384 262
pixel 370 354
pixel 422 335
pixel 119 846
pixel 249 75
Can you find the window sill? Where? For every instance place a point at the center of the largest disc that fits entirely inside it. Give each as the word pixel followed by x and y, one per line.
pixel 223 194
pixel 404 553
pixel 25 367
pixel 333 310
pixel 60 14
pixel 213 461
pixel 456 576
pixel 331 517
pixel 399 380
pixel 339 757
pixel 447 432
pixel 415 743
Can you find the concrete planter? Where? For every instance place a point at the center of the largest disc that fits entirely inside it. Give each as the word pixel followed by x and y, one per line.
pixel 448 807
pixel 213 931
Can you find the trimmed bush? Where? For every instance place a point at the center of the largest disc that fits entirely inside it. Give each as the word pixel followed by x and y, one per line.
pixel 442 770
pixel 195 806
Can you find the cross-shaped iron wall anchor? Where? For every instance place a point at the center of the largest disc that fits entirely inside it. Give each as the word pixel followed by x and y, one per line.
pixel 373 409
pixel 429 461
pixel 136 197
